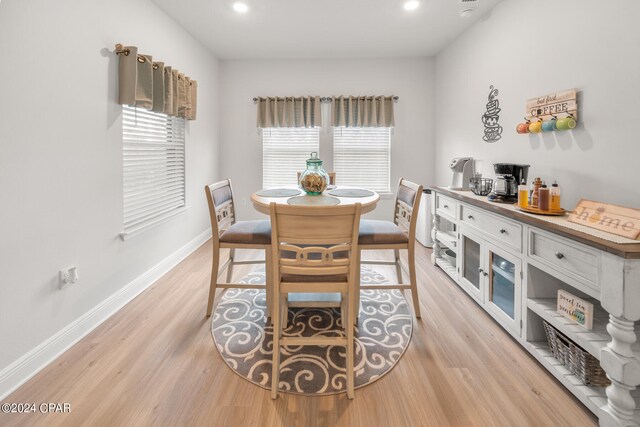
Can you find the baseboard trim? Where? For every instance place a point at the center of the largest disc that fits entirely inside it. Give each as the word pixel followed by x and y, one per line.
pixel 23 369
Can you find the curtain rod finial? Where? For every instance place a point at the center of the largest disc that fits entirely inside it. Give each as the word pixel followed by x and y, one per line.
pixel 120 49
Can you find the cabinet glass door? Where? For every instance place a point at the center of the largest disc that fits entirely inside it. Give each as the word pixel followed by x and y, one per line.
pixel 503 288
pixel 471 277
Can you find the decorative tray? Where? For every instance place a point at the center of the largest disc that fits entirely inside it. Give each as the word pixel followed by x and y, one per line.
pixel 537 211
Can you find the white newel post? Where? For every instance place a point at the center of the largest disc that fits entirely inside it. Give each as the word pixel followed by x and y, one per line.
pixel 618 359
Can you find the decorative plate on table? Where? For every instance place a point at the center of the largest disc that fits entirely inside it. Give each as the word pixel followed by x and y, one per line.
pixel 351 192
pixel 278 192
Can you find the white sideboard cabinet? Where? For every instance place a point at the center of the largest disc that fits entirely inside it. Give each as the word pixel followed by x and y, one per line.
pixel 513 264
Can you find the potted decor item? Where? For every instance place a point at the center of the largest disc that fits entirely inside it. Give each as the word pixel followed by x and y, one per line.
pixel 314 179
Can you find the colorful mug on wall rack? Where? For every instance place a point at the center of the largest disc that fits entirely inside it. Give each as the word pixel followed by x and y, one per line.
pixel 523 127
pixel 549 125
pixel 536 127
pixel 566 123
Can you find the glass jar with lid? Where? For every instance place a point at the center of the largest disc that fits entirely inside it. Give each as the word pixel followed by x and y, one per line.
pixel 314 179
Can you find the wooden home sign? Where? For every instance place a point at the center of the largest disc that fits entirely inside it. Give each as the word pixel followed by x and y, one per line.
pixel 576 309
pixel 559 104
pixel 611 218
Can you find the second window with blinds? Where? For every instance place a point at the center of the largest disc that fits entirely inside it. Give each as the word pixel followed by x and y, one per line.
pixel 362 157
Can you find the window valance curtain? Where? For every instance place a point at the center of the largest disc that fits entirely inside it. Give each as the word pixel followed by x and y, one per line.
pixel 362 111
pixel 154 86
pixel 289 112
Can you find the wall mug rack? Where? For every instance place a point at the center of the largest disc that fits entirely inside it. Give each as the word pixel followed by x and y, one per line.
pixel 550 113
pixel 551 125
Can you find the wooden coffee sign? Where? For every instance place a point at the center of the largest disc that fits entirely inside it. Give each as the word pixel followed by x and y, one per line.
pixel 576 309
pixel 560 104
pixel 611 218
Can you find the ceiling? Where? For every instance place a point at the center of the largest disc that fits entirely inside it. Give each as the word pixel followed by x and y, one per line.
pixel 324 28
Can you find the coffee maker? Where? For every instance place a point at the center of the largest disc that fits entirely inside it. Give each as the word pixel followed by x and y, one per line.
pixel 508 177
pixel 462 168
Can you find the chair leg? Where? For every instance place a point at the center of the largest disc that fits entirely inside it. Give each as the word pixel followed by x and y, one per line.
pixel 215 263
pixel 232 255
pixel 269 282
pixel 398 266
pixel 275 359
pixel 284 311
pixel 411 258
pixel 349 329
pixel 355 308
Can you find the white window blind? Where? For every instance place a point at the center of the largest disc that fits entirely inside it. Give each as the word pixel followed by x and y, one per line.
pixel 361 157
pixel 284 154
pixel 153 168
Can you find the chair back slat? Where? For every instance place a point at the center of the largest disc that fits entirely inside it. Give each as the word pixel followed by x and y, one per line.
pixel 403 216
pixel 312 271
pixel 406 208
pixel 221 207
pixel 314 256
pixel 225 216
pixel 311 240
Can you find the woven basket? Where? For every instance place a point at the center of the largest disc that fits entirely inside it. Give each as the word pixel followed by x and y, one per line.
pixel 583 365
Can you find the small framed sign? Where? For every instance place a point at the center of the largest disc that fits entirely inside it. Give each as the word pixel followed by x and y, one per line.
pixel 576 309
pixel 606 217
pixel 555 104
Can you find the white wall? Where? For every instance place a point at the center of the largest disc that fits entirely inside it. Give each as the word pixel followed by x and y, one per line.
pixel 528 50
pixel 412 146
pixel 61 158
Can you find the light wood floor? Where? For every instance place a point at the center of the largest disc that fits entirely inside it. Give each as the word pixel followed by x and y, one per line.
pixel 154 363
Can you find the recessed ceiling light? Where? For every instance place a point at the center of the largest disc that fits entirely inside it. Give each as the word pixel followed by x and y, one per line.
pixel 240 7
pixel 465 13
pixel 411 5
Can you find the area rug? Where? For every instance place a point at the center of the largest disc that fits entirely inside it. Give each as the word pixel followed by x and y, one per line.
pixel 245 342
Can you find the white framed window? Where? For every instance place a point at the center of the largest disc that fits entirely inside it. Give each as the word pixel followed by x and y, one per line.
pixel 362 157
pixel 284 152
pixel 153 160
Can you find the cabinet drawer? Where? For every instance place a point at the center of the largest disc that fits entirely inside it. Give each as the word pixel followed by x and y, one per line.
pixel 566 256
pixel 446 206
pixel 499 228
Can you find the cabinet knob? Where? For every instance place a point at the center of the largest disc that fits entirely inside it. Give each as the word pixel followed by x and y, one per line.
pixel 502 231
pixel 559 255
pixel 446 206
pixel 470 216
pixel 485 273
pixel 480 270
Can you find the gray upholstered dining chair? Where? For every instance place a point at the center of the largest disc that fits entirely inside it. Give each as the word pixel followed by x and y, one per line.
pixel 312 259
pixel 228 233
pixel 396 235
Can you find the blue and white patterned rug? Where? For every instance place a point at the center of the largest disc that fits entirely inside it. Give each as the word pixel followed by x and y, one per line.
pixel 245 343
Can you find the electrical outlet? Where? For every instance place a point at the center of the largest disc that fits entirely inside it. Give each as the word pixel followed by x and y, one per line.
pixel 68 276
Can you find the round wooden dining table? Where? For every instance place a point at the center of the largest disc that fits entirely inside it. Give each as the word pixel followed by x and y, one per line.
pixel 286 195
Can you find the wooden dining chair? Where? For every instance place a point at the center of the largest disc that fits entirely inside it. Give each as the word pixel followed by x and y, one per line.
pixel 396 235
pixel 332 177
pixel 314 251
pixel 228 233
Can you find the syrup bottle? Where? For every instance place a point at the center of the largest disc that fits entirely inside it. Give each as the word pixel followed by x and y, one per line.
pixel 555 197
pixel 543 198
pixel 523 195
pixel 537 183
